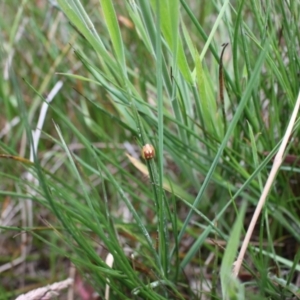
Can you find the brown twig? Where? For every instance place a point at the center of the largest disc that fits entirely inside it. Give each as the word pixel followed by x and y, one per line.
pixel 221 86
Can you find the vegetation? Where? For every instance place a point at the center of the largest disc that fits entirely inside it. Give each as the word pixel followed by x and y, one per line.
pixel 211 86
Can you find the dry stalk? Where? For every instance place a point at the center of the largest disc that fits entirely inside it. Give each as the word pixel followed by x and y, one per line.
pixel 276 164
pixel 48 292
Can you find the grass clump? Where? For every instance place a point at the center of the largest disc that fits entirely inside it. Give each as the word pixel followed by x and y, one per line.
pixel 85 86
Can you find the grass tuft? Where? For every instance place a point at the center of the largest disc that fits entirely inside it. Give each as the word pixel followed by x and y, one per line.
pixel 211 86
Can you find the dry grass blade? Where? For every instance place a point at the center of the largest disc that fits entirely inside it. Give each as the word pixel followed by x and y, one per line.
pixel 277 163
pixel 47 292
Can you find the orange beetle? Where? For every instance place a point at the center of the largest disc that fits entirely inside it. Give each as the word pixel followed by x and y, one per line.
pixel 148 152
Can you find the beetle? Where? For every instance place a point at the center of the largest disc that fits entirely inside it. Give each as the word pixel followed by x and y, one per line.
pixel 148 152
